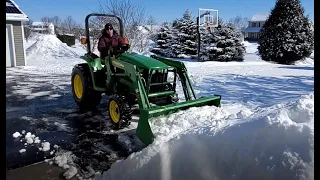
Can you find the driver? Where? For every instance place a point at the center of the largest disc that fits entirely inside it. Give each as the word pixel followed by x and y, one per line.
pixel 108 41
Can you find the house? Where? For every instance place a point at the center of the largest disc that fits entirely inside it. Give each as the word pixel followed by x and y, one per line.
pixel 15 52
pixel 43 27
pixel 254 26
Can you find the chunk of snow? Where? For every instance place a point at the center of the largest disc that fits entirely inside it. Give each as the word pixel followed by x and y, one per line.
pixel 37 140
pixel 65 166
pixel 29 138
pixel 16 135
pixel 22 150
pixel 45 146
pixel 72 171
pixel 244 114
pixel 229 149
pixel 61 158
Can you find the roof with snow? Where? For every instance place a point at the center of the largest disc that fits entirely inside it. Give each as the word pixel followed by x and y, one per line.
pixel 14 13
pixel 39 23
pixel 260 17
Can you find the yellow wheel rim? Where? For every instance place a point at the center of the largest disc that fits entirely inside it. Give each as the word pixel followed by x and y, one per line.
pixel 114 111
pixel 77 86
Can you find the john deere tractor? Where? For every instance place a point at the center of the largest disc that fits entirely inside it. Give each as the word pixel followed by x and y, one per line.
pixel 132 80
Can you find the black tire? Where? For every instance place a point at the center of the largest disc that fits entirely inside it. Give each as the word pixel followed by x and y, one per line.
pixel 89 98
pixel 123 111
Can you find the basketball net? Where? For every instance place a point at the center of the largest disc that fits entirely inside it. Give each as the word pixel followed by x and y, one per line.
pixel 210 26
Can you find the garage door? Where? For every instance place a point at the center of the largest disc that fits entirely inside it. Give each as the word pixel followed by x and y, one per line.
pixel 9 56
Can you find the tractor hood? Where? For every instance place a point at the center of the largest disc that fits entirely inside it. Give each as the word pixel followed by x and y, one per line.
pixel 142 62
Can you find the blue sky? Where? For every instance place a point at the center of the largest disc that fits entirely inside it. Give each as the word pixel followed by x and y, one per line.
pixel 165 10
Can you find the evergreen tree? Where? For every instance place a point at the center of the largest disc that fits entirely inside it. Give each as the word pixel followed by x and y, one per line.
pixel 206 44
pixel 223 44
pixel 163 40
pixel 286 36
pixel 185 36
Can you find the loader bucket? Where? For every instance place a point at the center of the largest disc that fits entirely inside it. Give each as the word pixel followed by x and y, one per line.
pixel 144 131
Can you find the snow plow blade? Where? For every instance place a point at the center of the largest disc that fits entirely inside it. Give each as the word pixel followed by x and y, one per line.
pixel 144 131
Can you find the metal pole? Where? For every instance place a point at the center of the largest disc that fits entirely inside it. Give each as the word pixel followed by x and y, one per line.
pixel 87 27
pixel 198 37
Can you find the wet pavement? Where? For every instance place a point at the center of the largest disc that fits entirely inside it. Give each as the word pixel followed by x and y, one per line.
pixel 43 105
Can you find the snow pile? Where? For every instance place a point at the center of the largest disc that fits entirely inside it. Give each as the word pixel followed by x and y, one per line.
pixel 273 143
pixel 65 160
pixel 48 47
pixel 251 48
pixel 305 62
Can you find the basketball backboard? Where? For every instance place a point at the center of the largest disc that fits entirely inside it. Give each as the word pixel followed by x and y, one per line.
pixel 208 18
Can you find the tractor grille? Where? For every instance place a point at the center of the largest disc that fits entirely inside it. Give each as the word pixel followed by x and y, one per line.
pixel 159 79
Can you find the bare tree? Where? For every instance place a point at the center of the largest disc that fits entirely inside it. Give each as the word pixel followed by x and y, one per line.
pixel 56 21
pixel 132 16
pixel 78 31
pixel 27 28
pixel 45 22
pixel 151 21
pixel 96 24
pixel 69 24
pixel 239 22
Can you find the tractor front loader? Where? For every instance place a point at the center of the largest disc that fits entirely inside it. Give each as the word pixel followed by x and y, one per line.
pixel 130 79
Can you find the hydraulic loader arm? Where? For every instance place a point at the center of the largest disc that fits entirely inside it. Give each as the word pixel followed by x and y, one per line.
pixel 183 74
pixel 132 71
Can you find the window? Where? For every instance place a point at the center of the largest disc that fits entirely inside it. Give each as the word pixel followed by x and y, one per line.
pixel 254 24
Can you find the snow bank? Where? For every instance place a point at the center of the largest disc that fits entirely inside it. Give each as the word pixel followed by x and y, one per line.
pixel 49 55
pixel 251 48
pixel 48 47
pixel 203 143
pixel 305 62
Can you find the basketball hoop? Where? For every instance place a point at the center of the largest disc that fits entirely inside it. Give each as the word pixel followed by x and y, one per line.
pixel 210 26
pixel 207 20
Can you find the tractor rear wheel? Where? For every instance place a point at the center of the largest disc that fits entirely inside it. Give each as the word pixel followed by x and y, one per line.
pixel 82 88
pixel 119 111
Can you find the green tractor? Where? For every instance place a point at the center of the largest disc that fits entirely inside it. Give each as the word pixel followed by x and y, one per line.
pixel 130 79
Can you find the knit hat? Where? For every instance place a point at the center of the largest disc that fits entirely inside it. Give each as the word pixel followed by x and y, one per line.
pixel 108 26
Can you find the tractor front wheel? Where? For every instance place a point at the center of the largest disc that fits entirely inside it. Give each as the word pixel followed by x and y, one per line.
pixel 119 111
pixel 82 88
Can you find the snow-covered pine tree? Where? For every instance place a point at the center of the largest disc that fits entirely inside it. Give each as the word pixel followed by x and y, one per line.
pixel 176 46
pixel 163 40
pixel 223 44
pixel 228 44
pixel 286 36
pixel 185 33
pixel 206 44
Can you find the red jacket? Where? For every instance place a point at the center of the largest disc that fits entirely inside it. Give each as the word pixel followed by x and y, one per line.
pixel 105 43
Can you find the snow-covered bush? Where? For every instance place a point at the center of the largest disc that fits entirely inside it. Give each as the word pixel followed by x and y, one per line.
pixel 286 36
pixel 163 40
pixel 223 44
pixel 184 42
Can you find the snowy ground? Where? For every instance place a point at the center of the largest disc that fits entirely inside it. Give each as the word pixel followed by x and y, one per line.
pixel 262 108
